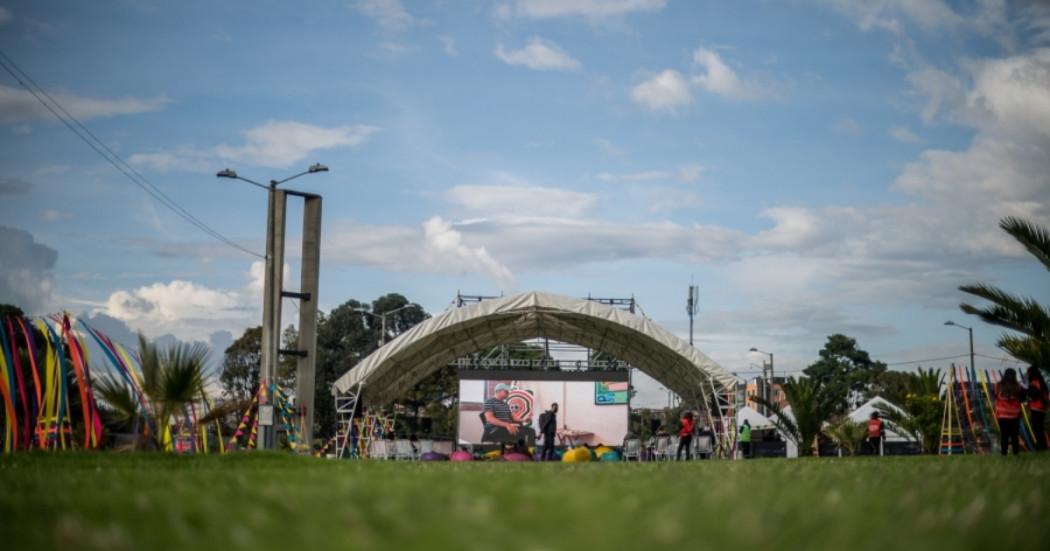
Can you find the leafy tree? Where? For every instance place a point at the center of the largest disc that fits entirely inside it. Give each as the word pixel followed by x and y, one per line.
pixel 1023 315
pixel 172 378
pixel 846 372
pixel 243 359
pixel 893 385
pixel 11 310
pixel 811 404
pixel 923 407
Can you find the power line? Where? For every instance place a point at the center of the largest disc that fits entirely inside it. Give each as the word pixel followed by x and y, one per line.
pixel 930 360
pixel 108 154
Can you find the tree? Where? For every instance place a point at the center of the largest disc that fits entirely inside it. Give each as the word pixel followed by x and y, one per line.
pixel 1024 315
pixel 921 409
pixel 343 339
pixel 846 372
pixel 172 378
pixel 893 385
pixel 10 310
pixel 243 359
pixel 811 404
pixel 848 434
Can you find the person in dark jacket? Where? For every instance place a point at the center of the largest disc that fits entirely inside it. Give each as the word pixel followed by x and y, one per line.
pixel 685 436
pixel 549 429
pixel 1008 397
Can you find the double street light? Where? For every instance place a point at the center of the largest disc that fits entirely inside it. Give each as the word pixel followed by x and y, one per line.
pixel 970 329
pixel 382 318
pixel 273 293
pixel 767 390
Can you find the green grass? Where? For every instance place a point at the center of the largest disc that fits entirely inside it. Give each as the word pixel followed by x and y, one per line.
pixel 106 501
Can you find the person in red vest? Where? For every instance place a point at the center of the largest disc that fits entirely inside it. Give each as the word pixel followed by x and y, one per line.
pixel 876 432
pixel 1038 399
pixel 1008 398
pixel 685 436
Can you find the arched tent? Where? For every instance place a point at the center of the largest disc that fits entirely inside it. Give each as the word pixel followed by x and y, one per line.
pixel 394 368
pixel 863 413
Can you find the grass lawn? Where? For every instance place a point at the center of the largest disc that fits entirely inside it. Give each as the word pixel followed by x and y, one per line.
pixel 107 501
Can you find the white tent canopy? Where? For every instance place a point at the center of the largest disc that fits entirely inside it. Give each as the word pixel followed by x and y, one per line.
pixel 752 416
pixel 863 413
pixel 394 368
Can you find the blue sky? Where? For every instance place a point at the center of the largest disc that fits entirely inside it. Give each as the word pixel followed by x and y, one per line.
pixel 814 166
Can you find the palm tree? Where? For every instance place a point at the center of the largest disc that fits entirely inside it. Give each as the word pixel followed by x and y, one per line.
pixel 1021 314
pixel 171 378
pixel 848 434
pixel 919 416
pixel 811 405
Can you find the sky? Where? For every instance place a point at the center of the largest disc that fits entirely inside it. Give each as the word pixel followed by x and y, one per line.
pixel 815 167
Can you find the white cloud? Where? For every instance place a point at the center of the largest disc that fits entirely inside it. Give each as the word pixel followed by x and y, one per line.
pixel 941 90
pixel 666 91
pixel 685 173
pixel 539 55
pixel 445 244
pixel 276 144
pixel 189 310
pixel 719 78
pixel 390 15
pixel 18 106
pixel 591 9
pixel 5 15
pixel 904 134
pixel 890 15
pixel 435 246
pixel 540 201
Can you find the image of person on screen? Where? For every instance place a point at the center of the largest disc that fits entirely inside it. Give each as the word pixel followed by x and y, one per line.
pixel 498 421
pixel 549 428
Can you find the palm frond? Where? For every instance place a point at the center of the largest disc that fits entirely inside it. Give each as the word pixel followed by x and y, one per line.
pixel 782 421
pixel 1022 314
pixel 1034 238
pixel 118 396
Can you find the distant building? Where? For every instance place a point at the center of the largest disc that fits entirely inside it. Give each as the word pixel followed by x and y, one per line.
pixel 757 387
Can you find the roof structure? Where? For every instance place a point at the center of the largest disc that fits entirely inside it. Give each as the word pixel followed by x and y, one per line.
pixel 394 368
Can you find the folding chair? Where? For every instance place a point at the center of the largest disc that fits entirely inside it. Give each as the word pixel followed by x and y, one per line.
pixel 403 449
pixel 632 448
pixel 660 451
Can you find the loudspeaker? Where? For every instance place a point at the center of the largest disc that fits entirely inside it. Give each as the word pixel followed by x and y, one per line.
pixel 426 425
pixel 654 425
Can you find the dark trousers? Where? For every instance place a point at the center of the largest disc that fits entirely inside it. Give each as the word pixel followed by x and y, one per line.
pixel 745 449
pixel 1009 435
pixel 548 447
pixel 1038 419
pixel 875 444
pixel 684 443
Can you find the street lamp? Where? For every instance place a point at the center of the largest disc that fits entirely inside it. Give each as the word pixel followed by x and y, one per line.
pixel 768 390
pixel 970 329
pixel 382 318
pixel 273 292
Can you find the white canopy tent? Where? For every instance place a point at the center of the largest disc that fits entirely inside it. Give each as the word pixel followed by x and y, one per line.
pixel 759 421
pixel 863 413
pixel 394 368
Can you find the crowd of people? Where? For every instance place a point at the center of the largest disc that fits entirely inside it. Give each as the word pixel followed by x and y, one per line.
pixel 1009 396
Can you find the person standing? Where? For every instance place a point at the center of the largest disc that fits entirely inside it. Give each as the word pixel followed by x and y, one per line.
pixel 745 439
pixel 685 437
pixel 1008 397
pixel 549 428
pixel 1038 400
pixel 876 432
